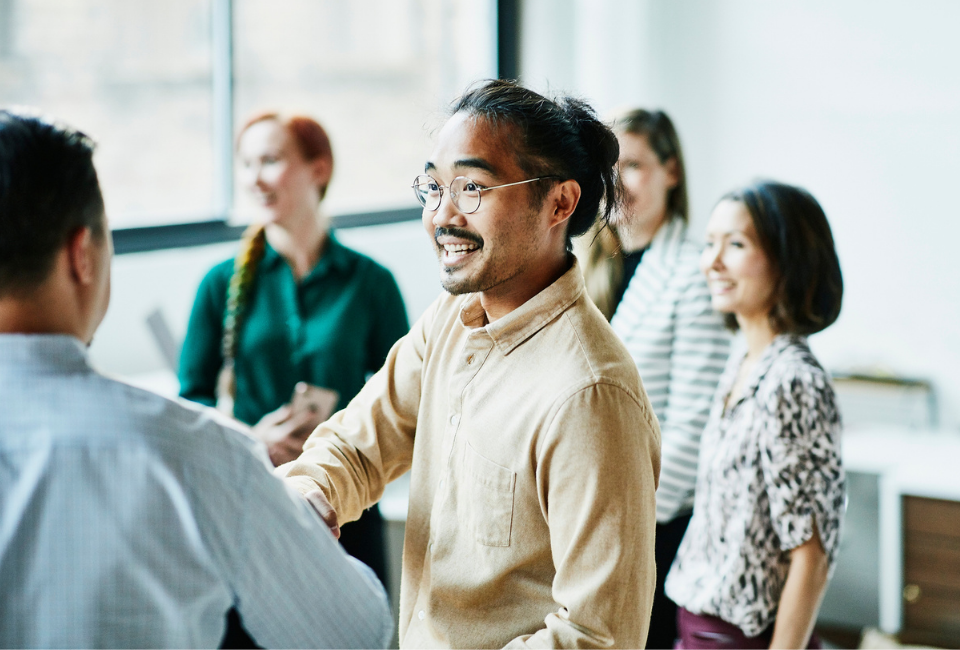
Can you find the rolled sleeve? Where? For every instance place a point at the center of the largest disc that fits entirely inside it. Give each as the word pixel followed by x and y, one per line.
pixel 799 455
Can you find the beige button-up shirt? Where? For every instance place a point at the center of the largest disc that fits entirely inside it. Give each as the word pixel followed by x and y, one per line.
pixel 534 458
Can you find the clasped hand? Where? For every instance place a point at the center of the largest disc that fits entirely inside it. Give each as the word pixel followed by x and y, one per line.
pixel 322 507
pixel 284 431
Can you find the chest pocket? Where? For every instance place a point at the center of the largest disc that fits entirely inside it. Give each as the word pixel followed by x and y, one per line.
pixel 488 504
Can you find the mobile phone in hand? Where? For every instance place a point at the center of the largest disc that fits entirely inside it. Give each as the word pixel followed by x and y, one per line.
pixel 316 399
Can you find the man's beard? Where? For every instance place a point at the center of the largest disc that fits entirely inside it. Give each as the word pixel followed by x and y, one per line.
pixel 450 284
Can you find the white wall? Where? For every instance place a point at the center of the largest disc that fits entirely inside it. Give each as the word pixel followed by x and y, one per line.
pixel 858 101
pixel 168 280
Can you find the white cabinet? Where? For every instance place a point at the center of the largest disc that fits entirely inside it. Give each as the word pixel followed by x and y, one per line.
pixel 884 466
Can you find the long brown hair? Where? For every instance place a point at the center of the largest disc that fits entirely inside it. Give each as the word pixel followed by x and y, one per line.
pixel 599 250
pixel 657 127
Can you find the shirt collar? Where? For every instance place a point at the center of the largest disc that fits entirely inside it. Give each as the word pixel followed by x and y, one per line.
pixel 336 257
pixel 54 352
pixel 532 316
pixel 780 343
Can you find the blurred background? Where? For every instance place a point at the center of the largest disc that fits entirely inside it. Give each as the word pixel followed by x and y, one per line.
pixel 856 100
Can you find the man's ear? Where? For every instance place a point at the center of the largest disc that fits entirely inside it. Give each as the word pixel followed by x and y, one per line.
pixel 81 253
pixel 565 197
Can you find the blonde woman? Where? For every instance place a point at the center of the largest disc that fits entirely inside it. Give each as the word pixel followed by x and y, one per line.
pixel 645 273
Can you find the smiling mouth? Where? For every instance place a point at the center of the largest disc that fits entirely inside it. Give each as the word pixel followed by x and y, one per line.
pixel 265 198
pixel 720 286
pixel 456 253
pixel 455 245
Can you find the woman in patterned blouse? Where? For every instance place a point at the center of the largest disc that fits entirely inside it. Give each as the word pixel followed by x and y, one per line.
pixel 755 560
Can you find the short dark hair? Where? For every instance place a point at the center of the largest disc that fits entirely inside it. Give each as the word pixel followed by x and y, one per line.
pixel 561 137
pixel 48 190
pixel 657 127
pixel 793 232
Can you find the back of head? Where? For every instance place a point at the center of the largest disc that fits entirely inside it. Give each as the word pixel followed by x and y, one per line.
pixel 48 190
pixel 657 127
pixel 561 137
pixel 796 237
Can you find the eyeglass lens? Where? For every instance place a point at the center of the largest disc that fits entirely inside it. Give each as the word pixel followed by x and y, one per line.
pixel 464 192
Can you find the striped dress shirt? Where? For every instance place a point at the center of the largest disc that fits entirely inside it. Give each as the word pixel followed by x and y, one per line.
pixel 680 345
pixel 128 520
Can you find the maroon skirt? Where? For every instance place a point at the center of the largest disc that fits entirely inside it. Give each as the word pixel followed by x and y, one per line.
pixel 703 632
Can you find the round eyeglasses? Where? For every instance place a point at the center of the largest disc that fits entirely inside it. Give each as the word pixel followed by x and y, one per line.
pixel 464 192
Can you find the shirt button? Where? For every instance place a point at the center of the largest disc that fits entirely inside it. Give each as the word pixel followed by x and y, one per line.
pixel 441 484
pixel 454 419
pixel 470 359
pixel 430 548
pixel 421 614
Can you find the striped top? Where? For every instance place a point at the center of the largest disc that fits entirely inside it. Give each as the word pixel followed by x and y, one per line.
pixel 680 345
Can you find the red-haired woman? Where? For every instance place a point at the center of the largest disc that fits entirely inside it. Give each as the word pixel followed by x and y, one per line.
pixel 295 305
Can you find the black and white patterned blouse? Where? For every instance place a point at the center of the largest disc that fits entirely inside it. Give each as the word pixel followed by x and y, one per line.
pixel 769 467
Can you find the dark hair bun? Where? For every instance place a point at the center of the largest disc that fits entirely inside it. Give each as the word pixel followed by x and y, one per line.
pixel 561 137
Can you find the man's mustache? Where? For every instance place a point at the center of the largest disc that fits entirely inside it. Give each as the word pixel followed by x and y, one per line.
pixel 459 233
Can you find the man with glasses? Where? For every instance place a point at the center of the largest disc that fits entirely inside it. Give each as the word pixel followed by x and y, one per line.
pixel 533 451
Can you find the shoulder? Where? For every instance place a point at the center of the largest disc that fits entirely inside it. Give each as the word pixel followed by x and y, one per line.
pixel 221 271
pixel 438 323
pixel 217 279
pixel 796 385
pixel 360 263
pixel 442 317
pixel 598 357
pixel 677 256
pixel 688 260
pixel 794 363
pixel 184 431
pixel 687 267
pixel 589 367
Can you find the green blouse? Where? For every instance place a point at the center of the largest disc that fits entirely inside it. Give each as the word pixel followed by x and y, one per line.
pixel 331 329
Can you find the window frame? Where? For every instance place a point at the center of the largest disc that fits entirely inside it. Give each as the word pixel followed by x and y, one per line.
pixel 217 228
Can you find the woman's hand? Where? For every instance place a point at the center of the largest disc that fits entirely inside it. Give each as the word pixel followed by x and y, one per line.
pixel 284 432
pixel 802 592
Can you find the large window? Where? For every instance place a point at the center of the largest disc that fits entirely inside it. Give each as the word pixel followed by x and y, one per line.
pixel 137 77
pixel 376 73
pixel 161 86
